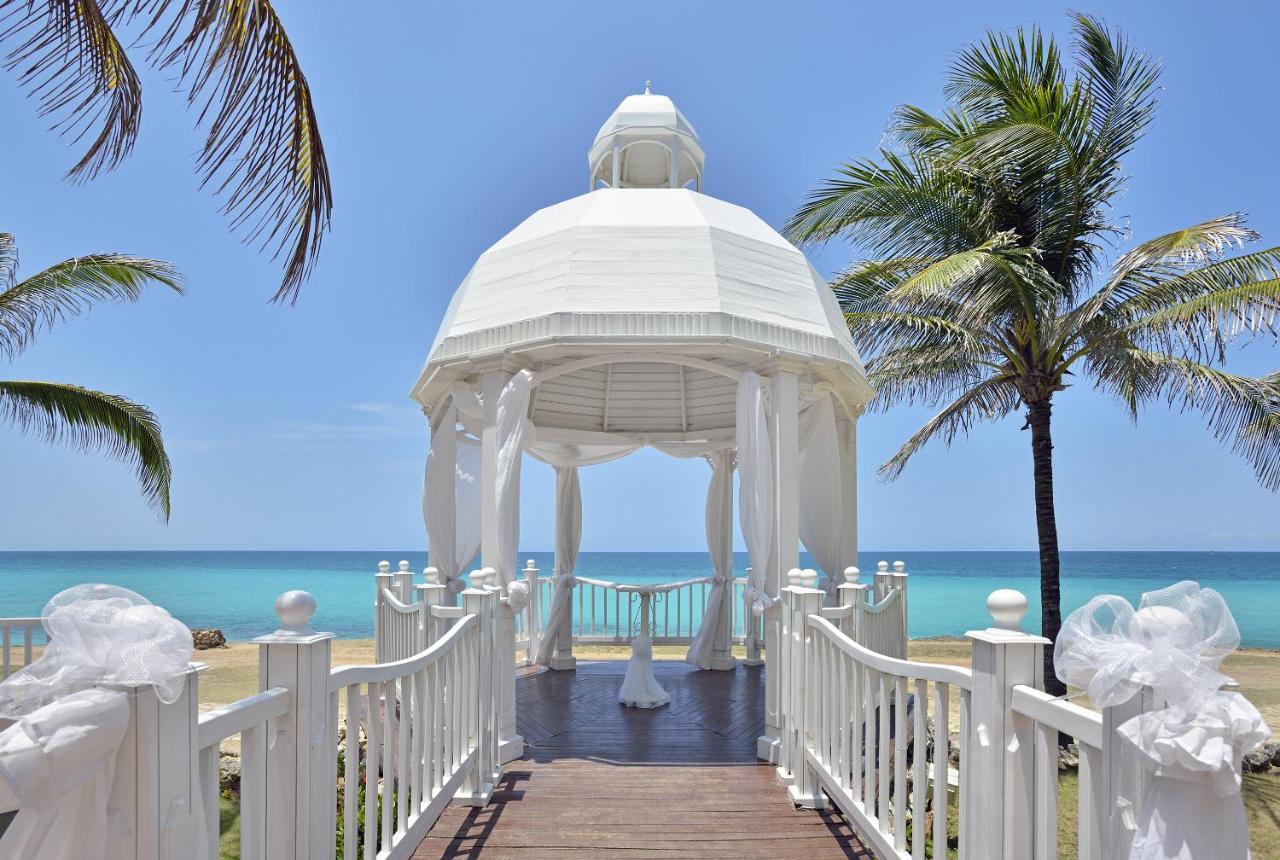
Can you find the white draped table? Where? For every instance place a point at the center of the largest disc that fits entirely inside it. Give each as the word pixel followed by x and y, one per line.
pixel 640 689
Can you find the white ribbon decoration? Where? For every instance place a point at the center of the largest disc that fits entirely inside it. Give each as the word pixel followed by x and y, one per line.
pixel 57 761
pixel 1174 643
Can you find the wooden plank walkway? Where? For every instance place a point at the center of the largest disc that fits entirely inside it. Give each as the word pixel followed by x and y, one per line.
pixel 676 782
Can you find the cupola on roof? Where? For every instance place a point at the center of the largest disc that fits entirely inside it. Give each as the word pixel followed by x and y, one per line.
pixel 646 143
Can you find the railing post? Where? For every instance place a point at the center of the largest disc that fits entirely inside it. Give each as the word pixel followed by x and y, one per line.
pixel 532 612
pixel 478 787
pixel 510 745
pixel 1122 780
pixel 431 593
pixel 996 781
pixel 853 594
pixel 382 579
pixel 404 583
pixel 301 762
pixel 898 580
pixel 797 696
pixel 751 631
pixel 882 580
pixel 157 777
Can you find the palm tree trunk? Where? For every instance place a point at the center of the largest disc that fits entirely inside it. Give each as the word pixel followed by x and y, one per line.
pixel 1038 417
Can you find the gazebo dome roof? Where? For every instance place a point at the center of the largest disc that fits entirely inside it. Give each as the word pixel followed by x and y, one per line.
pixel 634 275
pixel 668 263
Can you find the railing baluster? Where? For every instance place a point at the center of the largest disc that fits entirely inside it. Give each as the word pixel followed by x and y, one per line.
pixel 372 736
pixel 351 775
pixel 1045 812
pixel 900 763
pixel 965 772
pixel 941 756
pixel 404 777
pixel 919 777
pixel 882 748
pixel 388 762
pixel 857 730
pixel 869 739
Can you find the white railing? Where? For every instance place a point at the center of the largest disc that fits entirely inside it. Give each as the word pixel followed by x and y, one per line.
pixel 419 733
pixel 871 733
pixel 431 723
pixel 249 719
pixel 607 612
pixel 1039 719
pixel 855 726
pixel 17 639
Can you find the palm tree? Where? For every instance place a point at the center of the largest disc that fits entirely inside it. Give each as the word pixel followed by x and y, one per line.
pixel 986 289
pixel 262 152
pixel 58 412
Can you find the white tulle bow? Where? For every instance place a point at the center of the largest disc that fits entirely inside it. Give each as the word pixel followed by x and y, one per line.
pixel 101 634
pixel 1174 643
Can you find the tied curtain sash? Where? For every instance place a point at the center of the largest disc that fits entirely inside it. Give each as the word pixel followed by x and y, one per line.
pixel 720 546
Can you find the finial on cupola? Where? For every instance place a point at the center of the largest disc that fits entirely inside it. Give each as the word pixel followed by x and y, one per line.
pixel 646 143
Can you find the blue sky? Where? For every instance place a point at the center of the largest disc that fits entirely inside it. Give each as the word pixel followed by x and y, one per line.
pixel 445 125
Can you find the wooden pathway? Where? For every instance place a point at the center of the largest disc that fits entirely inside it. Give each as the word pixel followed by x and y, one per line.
pixel 676 782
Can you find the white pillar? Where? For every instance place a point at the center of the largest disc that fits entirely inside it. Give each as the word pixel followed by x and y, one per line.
pixel 302 749
pixel 493 381
pixel 617 165
pixel 431 593
pixel 722 654
pixel 849 489
pixel 477 790
pixel 784 439
pixel 1002 656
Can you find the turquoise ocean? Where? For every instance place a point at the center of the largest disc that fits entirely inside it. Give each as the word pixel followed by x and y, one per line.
pixel 235 590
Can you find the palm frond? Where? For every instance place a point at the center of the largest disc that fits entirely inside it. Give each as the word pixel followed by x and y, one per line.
pixel 1182 249
pixel 70 288
pixel 263 154
pixel 1122 84
pixel 91 420
pixel 1240 411
pixel 69 59
pixel 989 400
pixel 893 207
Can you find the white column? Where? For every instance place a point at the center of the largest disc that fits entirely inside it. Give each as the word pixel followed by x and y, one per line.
pixel 849 489
pixel 532 612
pixel 617 165
pixel 445 496
pixel 722 656
pixel 511 746
pixel 996 811
pixel 492 381
pixel 784 439
pixel 302 749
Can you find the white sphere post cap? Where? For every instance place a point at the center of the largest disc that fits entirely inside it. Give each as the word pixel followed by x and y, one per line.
pixel 1007 607
pixel 295 610
pixel 851 575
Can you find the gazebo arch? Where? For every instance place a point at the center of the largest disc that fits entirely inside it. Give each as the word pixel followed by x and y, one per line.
pixel 637 316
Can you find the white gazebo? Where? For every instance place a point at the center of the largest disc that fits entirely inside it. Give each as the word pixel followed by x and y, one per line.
pixel 644 313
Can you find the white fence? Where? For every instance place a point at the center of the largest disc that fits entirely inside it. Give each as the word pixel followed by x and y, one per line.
pixel 608 613
pixel 873 734
pixel 17 639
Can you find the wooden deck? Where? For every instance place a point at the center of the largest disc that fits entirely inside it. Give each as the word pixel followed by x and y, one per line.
pixel 600 780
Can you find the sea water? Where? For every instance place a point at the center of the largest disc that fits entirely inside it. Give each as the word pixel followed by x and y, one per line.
pixel 235 591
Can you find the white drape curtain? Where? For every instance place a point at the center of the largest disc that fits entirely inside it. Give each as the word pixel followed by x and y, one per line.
pixel 755 485
pixel 514 433
pixel 720 546
pixel 451 498
pixel 568 539
pixel 821 496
